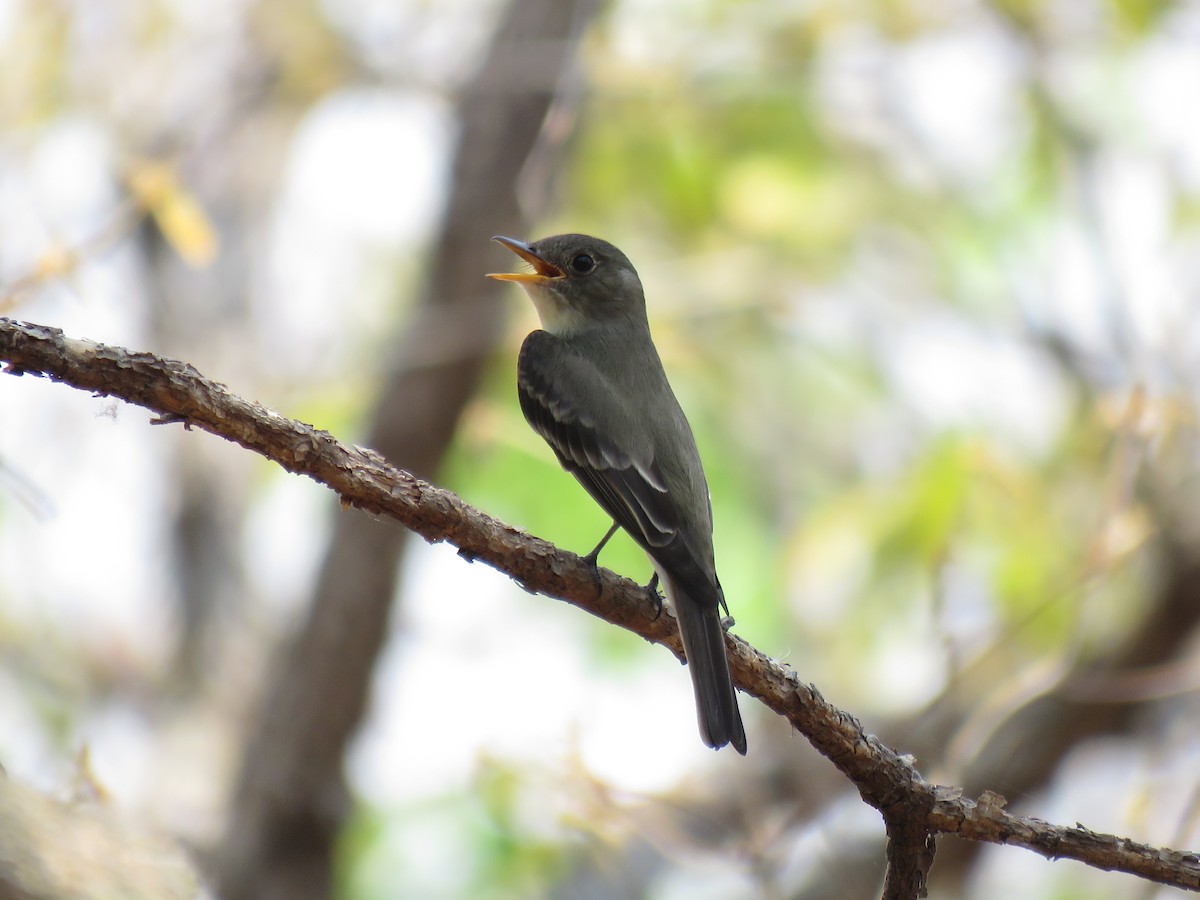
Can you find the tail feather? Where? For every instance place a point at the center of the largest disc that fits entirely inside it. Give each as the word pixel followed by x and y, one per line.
pixel 704 645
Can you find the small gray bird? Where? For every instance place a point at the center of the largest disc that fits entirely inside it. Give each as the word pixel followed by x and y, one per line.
pixel 593 386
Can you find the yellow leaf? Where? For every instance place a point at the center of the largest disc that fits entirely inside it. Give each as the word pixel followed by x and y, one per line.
pixel 177 213
pixel 56 260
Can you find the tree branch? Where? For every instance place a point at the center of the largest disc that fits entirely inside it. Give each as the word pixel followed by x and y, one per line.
pixel 913 809
pixel 985 820
pixel 910 849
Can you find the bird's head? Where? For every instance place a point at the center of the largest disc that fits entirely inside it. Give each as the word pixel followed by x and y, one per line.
pixel 577 281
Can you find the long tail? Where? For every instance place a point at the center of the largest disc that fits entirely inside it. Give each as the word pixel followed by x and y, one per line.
pixel 704 644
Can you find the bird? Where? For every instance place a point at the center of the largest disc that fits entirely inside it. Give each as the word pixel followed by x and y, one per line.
pixel 591 384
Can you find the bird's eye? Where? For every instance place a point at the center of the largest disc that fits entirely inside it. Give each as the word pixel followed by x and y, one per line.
pixel 583 264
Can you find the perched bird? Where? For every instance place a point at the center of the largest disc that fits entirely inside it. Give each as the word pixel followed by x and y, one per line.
pixel 592 385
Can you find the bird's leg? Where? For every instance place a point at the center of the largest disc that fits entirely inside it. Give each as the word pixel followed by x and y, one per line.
pixel 595 554
pixel 591 558
pixel 652 588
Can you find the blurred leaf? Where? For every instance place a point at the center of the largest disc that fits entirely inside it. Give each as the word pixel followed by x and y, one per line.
pixel 36 55
pixel 512 857
pixel 765 197
pixel 1025 15
pixel 930 506
pixel 179 216
pixel 1137 18
pixel 1185 213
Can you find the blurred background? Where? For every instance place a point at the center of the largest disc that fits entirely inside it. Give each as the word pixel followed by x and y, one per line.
pixel 923 274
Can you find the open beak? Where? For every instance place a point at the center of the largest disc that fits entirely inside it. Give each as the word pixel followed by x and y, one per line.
pixel 543 270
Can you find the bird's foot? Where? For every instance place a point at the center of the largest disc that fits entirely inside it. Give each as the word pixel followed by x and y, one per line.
pixel 727 622
pixel 652 590
pixel 591 558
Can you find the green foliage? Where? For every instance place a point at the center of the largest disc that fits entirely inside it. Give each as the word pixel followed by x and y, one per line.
pixel 1136 19
pixel 744 165
pixel 485 843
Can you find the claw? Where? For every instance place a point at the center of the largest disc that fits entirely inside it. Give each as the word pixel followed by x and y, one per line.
pixel 595 570
pixel 652 589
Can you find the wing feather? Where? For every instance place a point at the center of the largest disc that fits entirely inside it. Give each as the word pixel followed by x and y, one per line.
pixel 565 400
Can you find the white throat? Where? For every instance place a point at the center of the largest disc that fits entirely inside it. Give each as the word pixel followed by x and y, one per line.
pixel 556 316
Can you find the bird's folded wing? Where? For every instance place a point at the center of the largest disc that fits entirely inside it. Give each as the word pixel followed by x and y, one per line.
pixel 567 401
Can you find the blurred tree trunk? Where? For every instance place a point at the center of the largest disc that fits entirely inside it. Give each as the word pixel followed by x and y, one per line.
pixel 192 310
pixel 229 157
pixel 291 797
